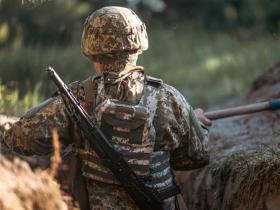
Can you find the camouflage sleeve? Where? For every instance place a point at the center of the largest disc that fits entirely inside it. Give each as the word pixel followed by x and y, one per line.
pixel 179 131
pixel 32 134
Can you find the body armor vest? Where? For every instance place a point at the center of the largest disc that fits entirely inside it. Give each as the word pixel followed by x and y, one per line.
pixel 131 131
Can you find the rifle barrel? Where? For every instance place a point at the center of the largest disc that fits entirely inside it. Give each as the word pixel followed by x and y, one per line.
pixel 245 109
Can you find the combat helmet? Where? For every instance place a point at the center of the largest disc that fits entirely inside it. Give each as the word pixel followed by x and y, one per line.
pixel 113 33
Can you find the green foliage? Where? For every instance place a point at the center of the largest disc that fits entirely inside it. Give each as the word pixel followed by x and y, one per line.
pixel 25 66
pixel 50 22
pixel 207 68
pixel 53 22
pixel 12 104
pixel 229 15
pixel 32 2
pixel 191 52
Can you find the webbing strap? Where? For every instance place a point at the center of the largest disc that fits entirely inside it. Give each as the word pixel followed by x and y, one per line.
pixel 150 100
pixel 91 91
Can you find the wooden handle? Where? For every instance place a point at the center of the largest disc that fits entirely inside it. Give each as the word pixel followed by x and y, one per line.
pixel 246 109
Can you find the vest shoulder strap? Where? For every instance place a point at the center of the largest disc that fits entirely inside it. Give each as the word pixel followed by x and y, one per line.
pixel 90 92
pixel 151 95
pixel 156 82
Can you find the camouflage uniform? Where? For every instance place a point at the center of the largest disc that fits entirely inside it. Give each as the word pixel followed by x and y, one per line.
pixel 178 132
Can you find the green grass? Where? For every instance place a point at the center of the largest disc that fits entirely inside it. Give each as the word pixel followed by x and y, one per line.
pixel 11 104
pixel 208 68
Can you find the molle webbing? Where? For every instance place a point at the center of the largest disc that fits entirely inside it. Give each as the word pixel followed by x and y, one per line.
pixel 124 122
pixel 130 127
pixel 93 168
pixel 160 173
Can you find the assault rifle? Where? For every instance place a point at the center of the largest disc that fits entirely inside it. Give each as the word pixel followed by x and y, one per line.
pixel 145 198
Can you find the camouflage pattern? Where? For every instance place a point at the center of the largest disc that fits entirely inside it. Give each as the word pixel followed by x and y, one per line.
pixel 114 37
pixel 105 196
pixel 179 131
pixel 176 132
pixel 112 34
pixel 130 127
pixel 33 132
pixel 127 90
pixel 108 196
pixel 118 65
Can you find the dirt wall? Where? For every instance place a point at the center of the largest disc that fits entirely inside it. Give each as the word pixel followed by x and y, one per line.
pixel 23 189
pixel 244 172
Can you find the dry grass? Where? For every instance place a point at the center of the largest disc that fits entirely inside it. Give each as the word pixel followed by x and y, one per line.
pixel 23 189
pixel 56 158
pixel 245 180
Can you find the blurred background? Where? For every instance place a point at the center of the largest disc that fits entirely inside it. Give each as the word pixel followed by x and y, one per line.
pixel 210 50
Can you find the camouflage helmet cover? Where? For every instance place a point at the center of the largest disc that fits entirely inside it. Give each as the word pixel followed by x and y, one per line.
pixel 113 30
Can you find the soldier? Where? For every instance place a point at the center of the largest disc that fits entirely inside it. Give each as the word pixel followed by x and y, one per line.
pixel 149 122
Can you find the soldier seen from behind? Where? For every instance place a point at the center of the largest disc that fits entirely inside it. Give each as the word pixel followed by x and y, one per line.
pixel 148 121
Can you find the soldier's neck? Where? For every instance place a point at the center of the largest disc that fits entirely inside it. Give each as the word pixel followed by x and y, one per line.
pixel 112 67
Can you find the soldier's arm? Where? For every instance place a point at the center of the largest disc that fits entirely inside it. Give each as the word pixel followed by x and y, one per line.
pixel 32 134
pixel 179 131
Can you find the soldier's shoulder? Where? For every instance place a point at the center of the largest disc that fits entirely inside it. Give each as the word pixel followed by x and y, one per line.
pixel 165 89
pixel 171 95
pixel 36 109
pixel 78 87
pixel 171 91
pixel 154 81
pixel 80 83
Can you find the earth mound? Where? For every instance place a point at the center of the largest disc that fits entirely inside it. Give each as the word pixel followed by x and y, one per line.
pixel 244 172
pixel 23 189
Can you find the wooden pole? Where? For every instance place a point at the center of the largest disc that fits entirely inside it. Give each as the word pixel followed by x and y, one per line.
pixel 245 109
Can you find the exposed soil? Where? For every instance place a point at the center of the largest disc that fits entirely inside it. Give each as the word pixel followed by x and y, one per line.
pixel 244 172
pixel 23 189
